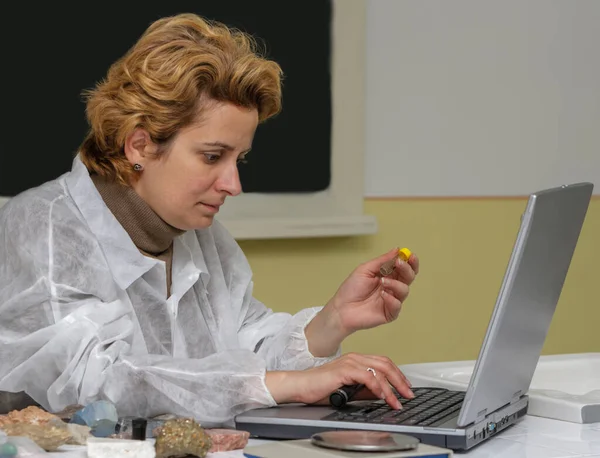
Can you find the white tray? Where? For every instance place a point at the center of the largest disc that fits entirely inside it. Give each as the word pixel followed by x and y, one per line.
pixel 564 387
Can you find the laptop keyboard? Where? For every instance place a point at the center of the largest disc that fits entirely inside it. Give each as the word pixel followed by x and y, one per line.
pixel 429 407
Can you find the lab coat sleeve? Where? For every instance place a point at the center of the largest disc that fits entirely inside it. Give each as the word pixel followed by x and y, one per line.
pixel 276 337
pixel 85 353
pixel 86 356
pixel 285 349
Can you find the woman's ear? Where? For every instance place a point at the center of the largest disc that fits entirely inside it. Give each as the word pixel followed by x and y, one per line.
pixel 138 146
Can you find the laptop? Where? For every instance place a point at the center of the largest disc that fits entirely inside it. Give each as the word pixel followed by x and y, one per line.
pixel 496 396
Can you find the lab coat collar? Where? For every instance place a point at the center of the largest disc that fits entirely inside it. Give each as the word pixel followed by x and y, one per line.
pixel 114 240
pixel 195 265
pixel 197 255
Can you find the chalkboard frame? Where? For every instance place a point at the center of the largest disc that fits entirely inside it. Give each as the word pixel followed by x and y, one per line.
pixel 337 211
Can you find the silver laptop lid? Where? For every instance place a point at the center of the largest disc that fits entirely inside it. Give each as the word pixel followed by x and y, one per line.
pixel 532 284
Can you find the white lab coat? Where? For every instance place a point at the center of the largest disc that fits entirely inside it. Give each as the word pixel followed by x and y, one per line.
pixel 84 315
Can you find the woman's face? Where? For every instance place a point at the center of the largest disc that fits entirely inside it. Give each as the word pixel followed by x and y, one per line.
pixel 187 185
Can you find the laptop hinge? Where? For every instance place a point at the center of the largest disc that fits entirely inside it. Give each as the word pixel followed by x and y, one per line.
pixel 481 416
pixel 516 397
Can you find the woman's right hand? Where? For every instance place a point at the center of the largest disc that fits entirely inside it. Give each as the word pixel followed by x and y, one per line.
pixel 313 386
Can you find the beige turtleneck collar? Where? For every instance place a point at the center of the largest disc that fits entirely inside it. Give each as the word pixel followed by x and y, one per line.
pixel 148 231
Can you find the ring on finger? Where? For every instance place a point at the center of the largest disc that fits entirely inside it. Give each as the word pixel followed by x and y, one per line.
pixel 370 369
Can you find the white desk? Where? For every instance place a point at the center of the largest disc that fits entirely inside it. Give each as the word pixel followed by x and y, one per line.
pixel 537 437
pixel 533 437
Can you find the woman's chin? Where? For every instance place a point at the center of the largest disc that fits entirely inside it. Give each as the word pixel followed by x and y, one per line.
pixel 202 222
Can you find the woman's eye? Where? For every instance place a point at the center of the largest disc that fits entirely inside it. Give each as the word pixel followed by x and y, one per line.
pixel 211 158
pixel 242 160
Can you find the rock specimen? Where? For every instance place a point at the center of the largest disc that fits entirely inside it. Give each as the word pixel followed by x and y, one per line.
pixel 66 414
pixel 48 436
pixel 45 429
pixel 100 416
pixel 181 437
pixel 133 428
pixel 101 447
pixel 224 440
pixel 7 450
pixel 19 446
pixel 32 415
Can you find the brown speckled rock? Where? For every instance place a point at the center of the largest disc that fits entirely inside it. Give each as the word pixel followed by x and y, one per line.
pixel 48 436
pixel 181 437
pixel 31 415
pixel 45 429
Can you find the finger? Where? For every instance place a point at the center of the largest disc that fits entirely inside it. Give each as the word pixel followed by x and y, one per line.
pixel 385 359
pixel 378 379
pixel 414 263
pixel 389 395
pixel 365 395
pixel 393 376
pixel 358 364
pixel 404 272
pixel 396 288
pixel 373 384
pixel 391 306
pixel 408 394
pixel 386 366
pixel 373 266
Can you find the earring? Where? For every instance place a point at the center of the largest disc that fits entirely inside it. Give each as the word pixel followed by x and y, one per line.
pixel 138 167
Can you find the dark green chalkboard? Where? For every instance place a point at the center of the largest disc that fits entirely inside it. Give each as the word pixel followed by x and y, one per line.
pixel 51 53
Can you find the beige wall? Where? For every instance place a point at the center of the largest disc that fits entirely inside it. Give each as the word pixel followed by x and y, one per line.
pixel 464 246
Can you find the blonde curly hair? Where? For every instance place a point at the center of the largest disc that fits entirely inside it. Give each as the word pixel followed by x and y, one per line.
pixel 163 82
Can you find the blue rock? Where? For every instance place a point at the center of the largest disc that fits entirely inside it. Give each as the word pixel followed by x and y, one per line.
pixel 100 416
pixel 8 450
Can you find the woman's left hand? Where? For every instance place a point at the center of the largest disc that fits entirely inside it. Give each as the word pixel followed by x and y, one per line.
pixel 367 299
pixel 364 300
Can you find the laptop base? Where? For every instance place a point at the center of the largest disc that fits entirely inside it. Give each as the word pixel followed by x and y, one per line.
pixel 451 437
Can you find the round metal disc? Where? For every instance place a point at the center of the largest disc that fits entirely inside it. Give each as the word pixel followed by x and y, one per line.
pixel 365 441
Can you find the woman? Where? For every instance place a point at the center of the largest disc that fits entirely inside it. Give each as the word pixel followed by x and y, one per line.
pixel 116 281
